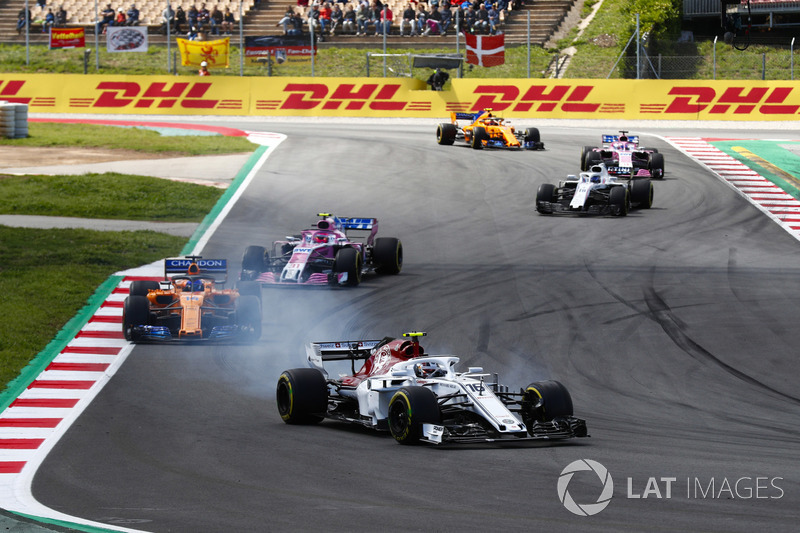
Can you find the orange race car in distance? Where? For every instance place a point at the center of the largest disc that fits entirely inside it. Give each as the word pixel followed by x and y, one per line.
pixel 486 130
pixel 190 304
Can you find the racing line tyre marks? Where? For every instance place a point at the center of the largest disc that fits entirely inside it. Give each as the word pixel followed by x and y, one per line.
pixel 782 207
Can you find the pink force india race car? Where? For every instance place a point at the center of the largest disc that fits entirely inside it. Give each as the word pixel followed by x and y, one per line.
pixel 624 156
pixel 419 397
pixel 324 255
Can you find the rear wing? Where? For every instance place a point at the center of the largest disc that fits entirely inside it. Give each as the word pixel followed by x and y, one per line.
pixel 362 224
pixel 608 139
pixel 196 266
pixel 342 350
pixel 472 117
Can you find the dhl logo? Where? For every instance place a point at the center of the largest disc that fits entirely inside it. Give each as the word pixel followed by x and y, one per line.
pixel 679 100
pixel 347 96
pixel 116 94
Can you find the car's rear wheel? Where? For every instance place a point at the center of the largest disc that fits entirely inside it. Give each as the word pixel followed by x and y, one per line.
pixel 585 150
pixel 302 396
pixel 591 159
pixel 545 400
pixel 348 260
pixel 254 262
pixel 409 409
pixel 135 312
pixel 142 287
pixel 388 255
pixel 642 193
pixel 656 165
pixel 248 317
pixel 446 133
pixel 619 200
pixel 478 136
pixel 545 193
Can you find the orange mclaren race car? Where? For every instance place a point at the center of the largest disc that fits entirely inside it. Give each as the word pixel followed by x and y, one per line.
pixel 486 130
pixel 191 305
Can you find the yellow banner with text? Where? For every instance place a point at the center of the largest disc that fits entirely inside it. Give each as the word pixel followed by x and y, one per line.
pixel 392 97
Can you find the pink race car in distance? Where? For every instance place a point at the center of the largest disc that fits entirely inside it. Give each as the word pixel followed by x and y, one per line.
pixel 324 255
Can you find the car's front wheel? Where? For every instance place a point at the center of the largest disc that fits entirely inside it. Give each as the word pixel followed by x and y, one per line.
pixel 409 409
pixel 619 201
pixel 545 195
pixel 135 312
pixel 348 260
pixel 479 135
pixel 545 400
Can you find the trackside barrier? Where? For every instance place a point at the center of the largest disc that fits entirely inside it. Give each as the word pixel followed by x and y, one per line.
pixel 13 120
pixel 370 97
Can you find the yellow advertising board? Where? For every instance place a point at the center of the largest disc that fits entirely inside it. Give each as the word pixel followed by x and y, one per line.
pixel 393 97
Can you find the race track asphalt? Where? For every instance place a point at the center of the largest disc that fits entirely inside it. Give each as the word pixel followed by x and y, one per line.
pixel 673 328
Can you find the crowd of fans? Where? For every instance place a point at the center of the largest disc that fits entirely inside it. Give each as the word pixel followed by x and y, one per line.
pixel 47 20
pixel 371 17
pixel 197 23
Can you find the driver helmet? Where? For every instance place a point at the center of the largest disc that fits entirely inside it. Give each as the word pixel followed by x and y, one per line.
pixel 427 369
pixel 320 238
pixel 595 178
pixel 198 285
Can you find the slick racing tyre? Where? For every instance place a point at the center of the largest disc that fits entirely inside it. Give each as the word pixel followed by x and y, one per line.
pixel 545 400
pixel 135 312
pixel 248 317
pixel 142 287
pixel 656 165
pixel 446 133
pixel 348 260
pixel 409 409
pixel 642 193
pixel 387 255
pixel 254 262
pixel 619 201
pixel 302 396
pixel 591 159
pixel 546 194
pixel 585 150
pixel 478 136
pixel 532 135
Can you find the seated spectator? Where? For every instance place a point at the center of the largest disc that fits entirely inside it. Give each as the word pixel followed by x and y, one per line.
pixel 447 18
pixel 120 19
pixel 349 20
pixel 325 17
pixel 409 21
pixel 191 17
pixel 228 21
pixel 386 17
pixel 337 17
pixel 297 25
pixel 107 17
pixel 286 20
pixel 203 18
pixel 133 16
pixel 470 17
pixel 422 19
pixel 494 19
pixel 215 19
pixel 434 23
pixel 481 20
pixel 362 18
pixel 502 8
pixel 312 17
pixel 49 20
pixel 167 19
pixel 179 20
pixel 23 18
pixel 41 3
pixel 61 17
pixel 375 16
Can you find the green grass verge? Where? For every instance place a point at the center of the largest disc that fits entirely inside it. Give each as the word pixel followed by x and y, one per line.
pixel 53 134
pixel 46 277
pixel 329 62
pixel 110 195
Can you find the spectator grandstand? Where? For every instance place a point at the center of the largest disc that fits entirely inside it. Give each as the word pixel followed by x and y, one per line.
pixel 261 18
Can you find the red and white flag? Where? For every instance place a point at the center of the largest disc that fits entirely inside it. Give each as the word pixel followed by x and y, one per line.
pixel 486 50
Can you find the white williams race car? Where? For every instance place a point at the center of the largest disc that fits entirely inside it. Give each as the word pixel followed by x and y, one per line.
pixel 596 192
pixel 421 398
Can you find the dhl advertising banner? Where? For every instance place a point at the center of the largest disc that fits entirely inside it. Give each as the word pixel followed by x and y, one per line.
pixel 391 97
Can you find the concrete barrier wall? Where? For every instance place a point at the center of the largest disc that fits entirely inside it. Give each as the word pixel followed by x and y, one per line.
pixel 392 97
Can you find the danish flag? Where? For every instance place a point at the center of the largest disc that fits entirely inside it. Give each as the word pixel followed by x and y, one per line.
pixel 486 50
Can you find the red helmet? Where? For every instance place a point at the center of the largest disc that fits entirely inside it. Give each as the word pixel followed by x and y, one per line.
pixel 321 238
